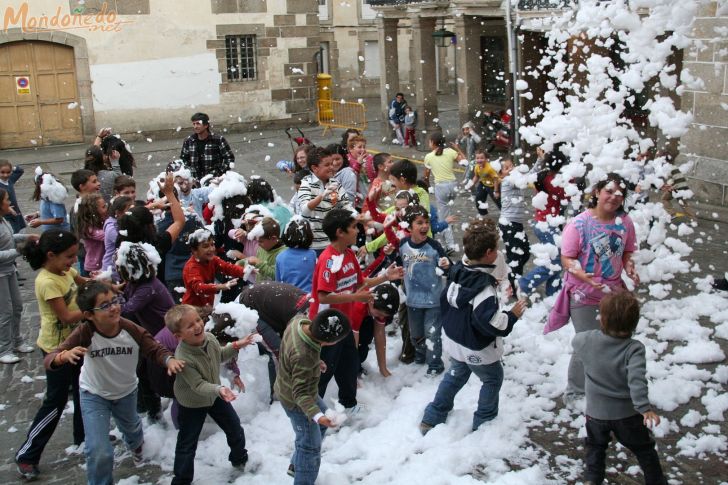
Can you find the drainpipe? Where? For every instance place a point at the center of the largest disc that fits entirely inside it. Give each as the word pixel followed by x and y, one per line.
pixel 513 62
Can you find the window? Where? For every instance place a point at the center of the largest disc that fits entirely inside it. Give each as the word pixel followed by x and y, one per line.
pixel 240 54
pixel 323 8
pixel 367 12
pixel 371 58
pixel 493 67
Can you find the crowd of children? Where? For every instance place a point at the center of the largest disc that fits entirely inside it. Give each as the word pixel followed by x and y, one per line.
pixel 151 272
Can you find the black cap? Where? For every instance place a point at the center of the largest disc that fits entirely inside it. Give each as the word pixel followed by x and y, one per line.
pixel 329 326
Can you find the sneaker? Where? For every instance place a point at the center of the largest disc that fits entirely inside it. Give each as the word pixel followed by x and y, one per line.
pixel 9 358
pixel 241 464
pixel 137 456
pixel 396 142
pixel 25 348
pixel 291 471
pixel 425 428
pixel 353 411
pixel 28 471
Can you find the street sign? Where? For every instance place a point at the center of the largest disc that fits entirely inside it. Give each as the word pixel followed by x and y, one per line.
pixel 22 84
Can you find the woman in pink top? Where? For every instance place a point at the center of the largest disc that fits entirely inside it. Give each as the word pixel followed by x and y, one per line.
pixel 595 247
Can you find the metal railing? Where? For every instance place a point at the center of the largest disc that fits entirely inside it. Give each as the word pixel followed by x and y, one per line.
pixel 335 114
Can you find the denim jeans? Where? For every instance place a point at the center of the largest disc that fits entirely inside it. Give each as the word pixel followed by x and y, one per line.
pixel 190 426
pixel 491 375
pixel 97 413
pixel 425 328
pixel 631 433
pixel 481 198
pixel 444 193
pixel 541 274
pixel 306 459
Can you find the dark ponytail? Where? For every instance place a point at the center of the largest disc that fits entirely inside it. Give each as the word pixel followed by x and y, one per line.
pixel 54 241
pixel 438 139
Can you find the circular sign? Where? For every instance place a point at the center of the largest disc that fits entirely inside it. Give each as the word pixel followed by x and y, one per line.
pixel 23 82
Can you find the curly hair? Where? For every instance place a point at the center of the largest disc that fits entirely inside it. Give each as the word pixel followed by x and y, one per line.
pixel 88 217
pixel 259 190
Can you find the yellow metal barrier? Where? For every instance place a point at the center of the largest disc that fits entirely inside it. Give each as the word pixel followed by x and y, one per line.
pixel 335 114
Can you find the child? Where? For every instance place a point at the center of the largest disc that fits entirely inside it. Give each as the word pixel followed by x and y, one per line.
pixel 85 182
pixel 199 393
pixel 261 193
pixel 421 256
pixel 381 187
pixel 468 142
pixel 360 160
pixel 441 163
pixel 513 216
pixel 92 212
pixel 52 197
pixel 189 197
pixel 11 308
pixel 410 127
pixel 616 389
pixel 119 206
pixel 297 179
pixel 474 324
pixel 199 272
pixel 485 179
pixel 95 162
pixel 297 382
pixel 9 175
pixel 125 185
pixel 345 175
pixel 55 290
pixel 368 322
pixel 269 246
pixel 295 265
pixel 403 175
pixel 338 282
pixel 319 194
pixel 111 348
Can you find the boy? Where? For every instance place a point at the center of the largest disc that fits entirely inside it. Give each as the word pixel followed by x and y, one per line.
pixel 111 348
pixel 297 382
pixel 616 389
pixel 474 324
pixel 368 322
pixel 410 123
pixel 269 247
pixel 9 175
pixel 85 182
pixel 195 198
pixel 514 214
pixel 125 185
pixel 319 194
pixel 199 393
pixel 338 283
pixel 421 256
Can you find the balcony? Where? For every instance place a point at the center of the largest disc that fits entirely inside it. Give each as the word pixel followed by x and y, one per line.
pixel 384 3
pixel 541 4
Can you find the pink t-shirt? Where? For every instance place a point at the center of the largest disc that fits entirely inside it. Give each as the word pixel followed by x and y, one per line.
pixel 599 246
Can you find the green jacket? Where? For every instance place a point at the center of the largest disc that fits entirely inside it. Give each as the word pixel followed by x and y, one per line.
pixel 298 371
pixel 198 385
pixel 267 263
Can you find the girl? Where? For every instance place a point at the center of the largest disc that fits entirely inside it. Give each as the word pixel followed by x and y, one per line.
pixel 381 187
pixel 91 215
pixel 55 289
pixel 119 206
pixel 95 162
pixel 9 175
pixel 485 179
pixel 117 152
pixel 12 304
pixel 262 193
pixel 147 301
pixel 543 229
pixel 468 141
pixel 267 232
pixel 361 161
pixel 595 247
pixel 52 197
pixel 295 265
pixel 200 270
pixel 345 175
pixel 440 162
pixel 137 223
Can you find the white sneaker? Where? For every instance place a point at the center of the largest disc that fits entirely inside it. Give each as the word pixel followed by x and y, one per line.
pixel 25 348
pixel 396 142
pixel 9 358
pixel 353 411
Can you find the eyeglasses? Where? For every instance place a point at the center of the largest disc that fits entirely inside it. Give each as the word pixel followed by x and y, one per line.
pixel 117 300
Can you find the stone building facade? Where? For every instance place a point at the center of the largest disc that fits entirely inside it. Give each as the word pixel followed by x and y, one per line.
pixel 69 67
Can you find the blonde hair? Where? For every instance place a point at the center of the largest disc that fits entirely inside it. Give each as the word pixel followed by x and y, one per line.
pixel 175 314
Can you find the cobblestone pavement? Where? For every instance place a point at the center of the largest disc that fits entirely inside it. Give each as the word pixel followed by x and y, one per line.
pixel 24 385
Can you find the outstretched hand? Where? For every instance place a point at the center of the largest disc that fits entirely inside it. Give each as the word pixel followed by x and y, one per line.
pixel 175 366
pixel 226 394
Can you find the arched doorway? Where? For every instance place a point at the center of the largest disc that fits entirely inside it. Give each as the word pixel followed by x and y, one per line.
pixel 39 95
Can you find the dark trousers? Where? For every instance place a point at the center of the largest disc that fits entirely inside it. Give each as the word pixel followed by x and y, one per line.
pixel 631 433
pixel 518 250
pixel 342 363
pixel 58 382
pixel 481 198
pixel 147 400
pixel 190 426
pixel 366 335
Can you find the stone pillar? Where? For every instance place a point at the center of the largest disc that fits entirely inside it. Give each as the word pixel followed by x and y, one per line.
pixel 468 66
pixel 424 69
pixel 389 67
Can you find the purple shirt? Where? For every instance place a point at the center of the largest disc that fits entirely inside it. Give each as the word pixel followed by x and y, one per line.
pixel 147 303
pixel 111 232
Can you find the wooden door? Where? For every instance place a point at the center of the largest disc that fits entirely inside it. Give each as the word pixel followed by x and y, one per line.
pixel 46 111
